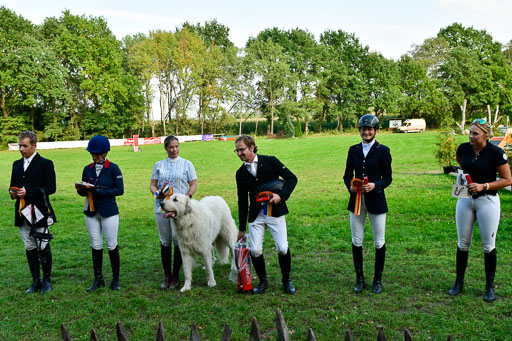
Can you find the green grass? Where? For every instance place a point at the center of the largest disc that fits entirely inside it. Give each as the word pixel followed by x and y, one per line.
pixel 420 238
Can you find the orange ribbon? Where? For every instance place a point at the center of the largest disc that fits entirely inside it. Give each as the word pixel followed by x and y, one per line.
pixel 357 183
pixel 91 203
pixel 22 200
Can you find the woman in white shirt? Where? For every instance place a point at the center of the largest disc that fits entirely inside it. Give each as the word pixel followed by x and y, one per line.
pixel 171 175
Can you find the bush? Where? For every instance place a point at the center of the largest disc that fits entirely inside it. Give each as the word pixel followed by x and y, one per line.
pixel 289 129
pixel 10 127
pixel 446 148
pixel 298 128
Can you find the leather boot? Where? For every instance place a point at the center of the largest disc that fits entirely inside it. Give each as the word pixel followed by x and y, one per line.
pixel 166 255
pixel 33 264
pixel 97 264
pixel 461 264
pixel 490 270
pixel 259 267
pixel 380 257
pixel 357 255
pixel 285 263
pixel 46 264
pixel 176 267
pixel 115 264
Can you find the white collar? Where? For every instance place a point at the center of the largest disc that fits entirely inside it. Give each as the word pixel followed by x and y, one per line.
pixel 173 160
pixel 255 160
pixel 368 145
pixel 29 159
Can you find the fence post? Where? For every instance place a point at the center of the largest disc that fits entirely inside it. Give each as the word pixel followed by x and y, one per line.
pixel 255 334
pixel 64 332
pixel 121 333
pixel 407 336
pixel 160 331
pixel 381 336
pixel 311 335
pixel 282 329
pixel 194 334
pixel 94 336
pixel 226 335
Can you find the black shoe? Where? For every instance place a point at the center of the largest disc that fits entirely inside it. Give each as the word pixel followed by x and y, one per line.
pixel 288 287
pixel 98 283
pixel 360 284
pixel 46 286
pixel 489 293
pixel 36 286
pixel 260 289
pixel 377 286
pixel 115 285
pixel 456 289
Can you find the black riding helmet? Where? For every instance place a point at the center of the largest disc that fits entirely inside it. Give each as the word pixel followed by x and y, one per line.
pixel 368 120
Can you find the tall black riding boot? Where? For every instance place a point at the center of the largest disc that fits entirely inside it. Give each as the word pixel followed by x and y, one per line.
pixel 490 270
pixel 176 267
pixel 115 264
pixel 259 267
pixel 357 255
pixel 380 257
pixel 97 264
pixel 461 264
pixel 46 264
pixel 166 254
pixel 285 263
pixel 33 264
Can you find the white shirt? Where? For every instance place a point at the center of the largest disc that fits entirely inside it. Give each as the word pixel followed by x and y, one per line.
pixel 253 166
pixel 178 172
pixel 367 147
pixel 27 161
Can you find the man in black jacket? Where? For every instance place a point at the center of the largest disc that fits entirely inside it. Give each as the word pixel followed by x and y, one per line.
pixel 32 181
pixel 256 172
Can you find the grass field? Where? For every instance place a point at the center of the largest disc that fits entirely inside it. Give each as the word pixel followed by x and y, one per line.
pixel 420 265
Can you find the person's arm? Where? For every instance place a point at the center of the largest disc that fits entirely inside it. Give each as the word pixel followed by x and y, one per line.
pixel 117 184
pixel 349 173
pixel 11 193
pixel 289 184
pixel 385 167
pixel 79 189
pixel 504 180
pixel 192 187
pixel 152 186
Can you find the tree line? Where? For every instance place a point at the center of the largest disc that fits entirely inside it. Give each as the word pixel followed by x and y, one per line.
pixel 70 78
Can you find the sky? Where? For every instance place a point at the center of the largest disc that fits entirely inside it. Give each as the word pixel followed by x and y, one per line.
pixel 390 27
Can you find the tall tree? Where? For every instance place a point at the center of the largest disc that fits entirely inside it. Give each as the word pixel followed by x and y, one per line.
pixel 141 61
pixel 344 63
pixel 273 74
pixel 105 97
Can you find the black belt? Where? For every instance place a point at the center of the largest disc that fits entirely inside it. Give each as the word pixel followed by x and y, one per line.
pixel 481 194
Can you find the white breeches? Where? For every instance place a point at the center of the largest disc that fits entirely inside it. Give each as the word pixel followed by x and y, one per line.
pixel 98 224
pixel 277 228
pixel 485 209
pixel 378 222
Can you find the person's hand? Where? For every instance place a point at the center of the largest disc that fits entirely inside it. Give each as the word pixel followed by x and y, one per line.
pixel 21 192
pixel 353 189
pixel 241 235
pixel 276 199
pixel 12 194
pixel 475 187
pixel 368 187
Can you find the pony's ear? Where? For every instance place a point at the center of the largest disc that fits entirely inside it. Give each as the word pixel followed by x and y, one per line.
pixel 188 207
